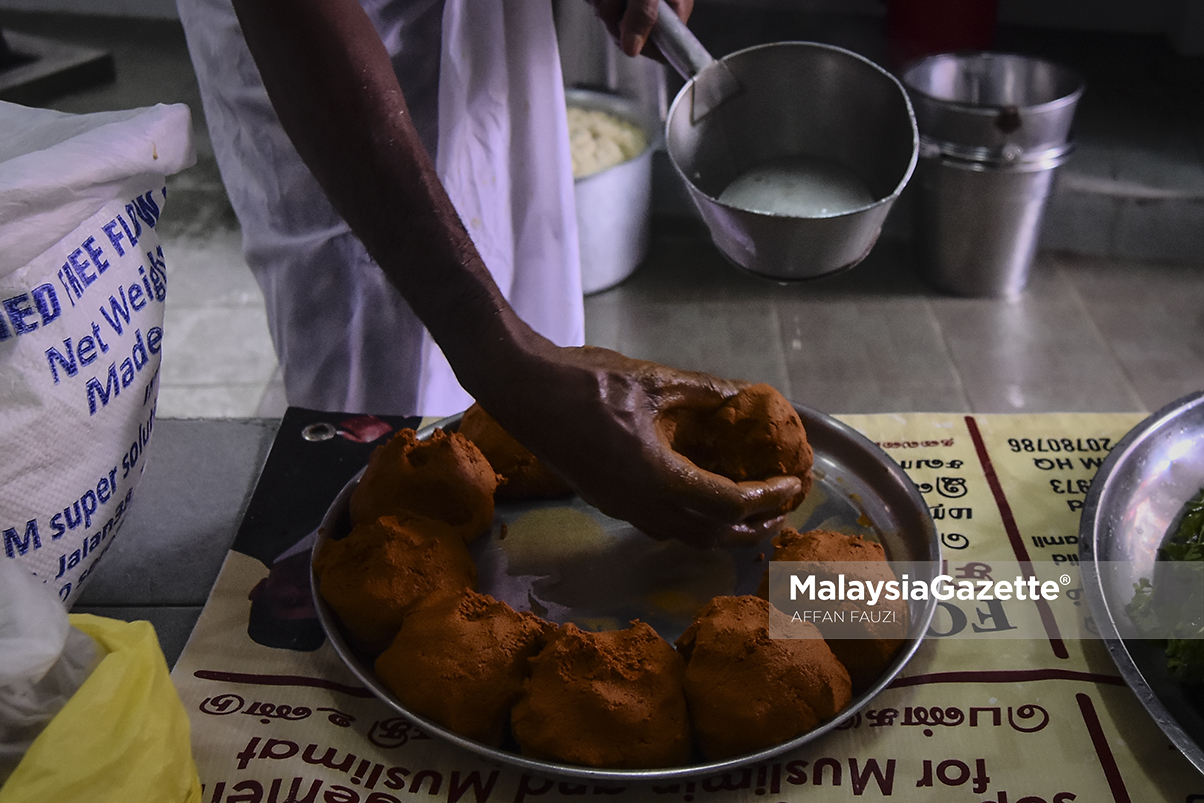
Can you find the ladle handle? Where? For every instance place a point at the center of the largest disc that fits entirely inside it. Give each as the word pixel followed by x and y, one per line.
pixel 678 44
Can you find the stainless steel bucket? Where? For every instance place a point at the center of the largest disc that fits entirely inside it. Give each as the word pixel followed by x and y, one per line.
pixel 994 127
pixel 992 106
pixel 775 104
pixel 977 225
pixel 614 206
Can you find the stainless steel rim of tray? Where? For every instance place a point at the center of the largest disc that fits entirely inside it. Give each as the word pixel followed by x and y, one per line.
pixel 850 469
pixel 1156 468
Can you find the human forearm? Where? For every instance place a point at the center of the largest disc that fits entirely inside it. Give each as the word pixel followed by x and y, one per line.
pixel 332 85
pixel 590 414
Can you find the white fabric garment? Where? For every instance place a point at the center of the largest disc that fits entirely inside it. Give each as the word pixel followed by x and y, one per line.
pixel 504 159
pixel 493 115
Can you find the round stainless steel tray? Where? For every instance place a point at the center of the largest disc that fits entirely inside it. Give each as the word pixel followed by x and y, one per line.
pixel 1135 497
pixel 620 574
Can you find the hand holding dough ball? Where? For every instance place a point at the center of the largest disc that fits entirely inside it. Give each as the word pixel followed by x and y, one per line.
pixel 754 435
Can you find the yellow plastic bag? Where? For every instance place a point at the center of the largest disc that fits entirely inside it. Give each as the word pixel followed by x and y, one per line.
pixel 123 736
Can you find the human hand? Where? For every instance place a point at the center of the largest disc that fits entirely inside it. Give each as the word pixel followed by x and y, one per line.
pixel 599 419
pixel 630 22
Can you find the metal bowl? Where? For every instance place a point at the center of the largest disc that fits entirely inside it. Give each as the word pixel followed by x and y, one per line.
pixel 858 489
pixel 1134 499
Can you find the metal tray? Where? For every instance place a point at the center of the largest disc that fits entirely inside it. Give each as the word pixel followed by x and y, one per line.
pixel 1134 499
pixel 614 574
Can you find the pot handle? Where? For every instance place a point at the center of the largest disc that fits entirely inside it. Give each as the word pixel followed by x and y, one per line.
pixel 712 82
pixel 678 44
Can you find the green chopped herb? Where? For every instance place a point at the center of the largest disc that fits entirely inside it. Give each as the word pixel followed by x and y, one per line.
pixel 1184 638
pixel 1188 541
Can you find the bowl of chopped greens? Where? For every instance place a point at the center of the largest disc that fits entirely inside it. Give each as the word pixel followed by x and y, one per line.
pixel 1141 549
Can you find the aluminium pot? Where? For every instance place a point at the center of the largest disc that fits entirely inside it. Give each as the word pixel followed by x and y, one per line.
pixel 784 101
pixel 614 205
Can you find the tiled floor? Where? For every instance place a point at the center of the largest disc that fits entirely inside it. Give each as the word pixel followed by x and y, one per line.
pixel 1089 334
pixel 1113 319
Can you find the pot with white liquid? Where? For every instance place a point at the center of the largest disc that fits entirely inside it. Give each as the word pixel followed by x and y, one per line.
pixel 792 152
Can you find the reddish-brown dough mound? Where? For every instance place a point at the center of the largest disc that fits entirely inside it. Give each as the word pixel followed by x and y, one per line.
pixel 461 662
pixel 523 475
pixel 865 644
pixel 826 545
pixel 611 699
pixel 444 477
pixel 382 570
pixel 748 692
pixel 754 435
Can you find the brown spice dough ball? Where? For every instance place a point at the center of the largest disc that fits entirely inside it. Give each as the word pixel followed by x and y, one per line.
pixel 864 643
pixel 748 692
pixel 523 475
pixel 383 569
pixel 461 662
pixel 444 477
pixel 827 545
pixel 611 699
pixel 753 435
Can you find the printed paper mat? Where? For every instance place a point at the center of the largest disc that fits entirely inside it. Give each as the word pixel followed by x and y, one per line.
pixel 1040 719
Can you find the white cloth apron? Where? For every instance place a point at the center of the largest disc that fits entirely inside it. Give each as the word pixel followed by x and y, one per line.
pixel 493 113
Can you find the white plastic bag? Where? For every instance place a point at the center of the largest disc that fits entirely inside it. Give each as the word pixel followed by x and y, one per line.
pixel 88 711
pixel 43 661
pixel 82 287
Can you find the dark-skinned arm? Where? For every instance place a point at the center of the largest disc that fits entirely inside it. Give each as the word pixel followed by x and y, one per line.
pixel 591 414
